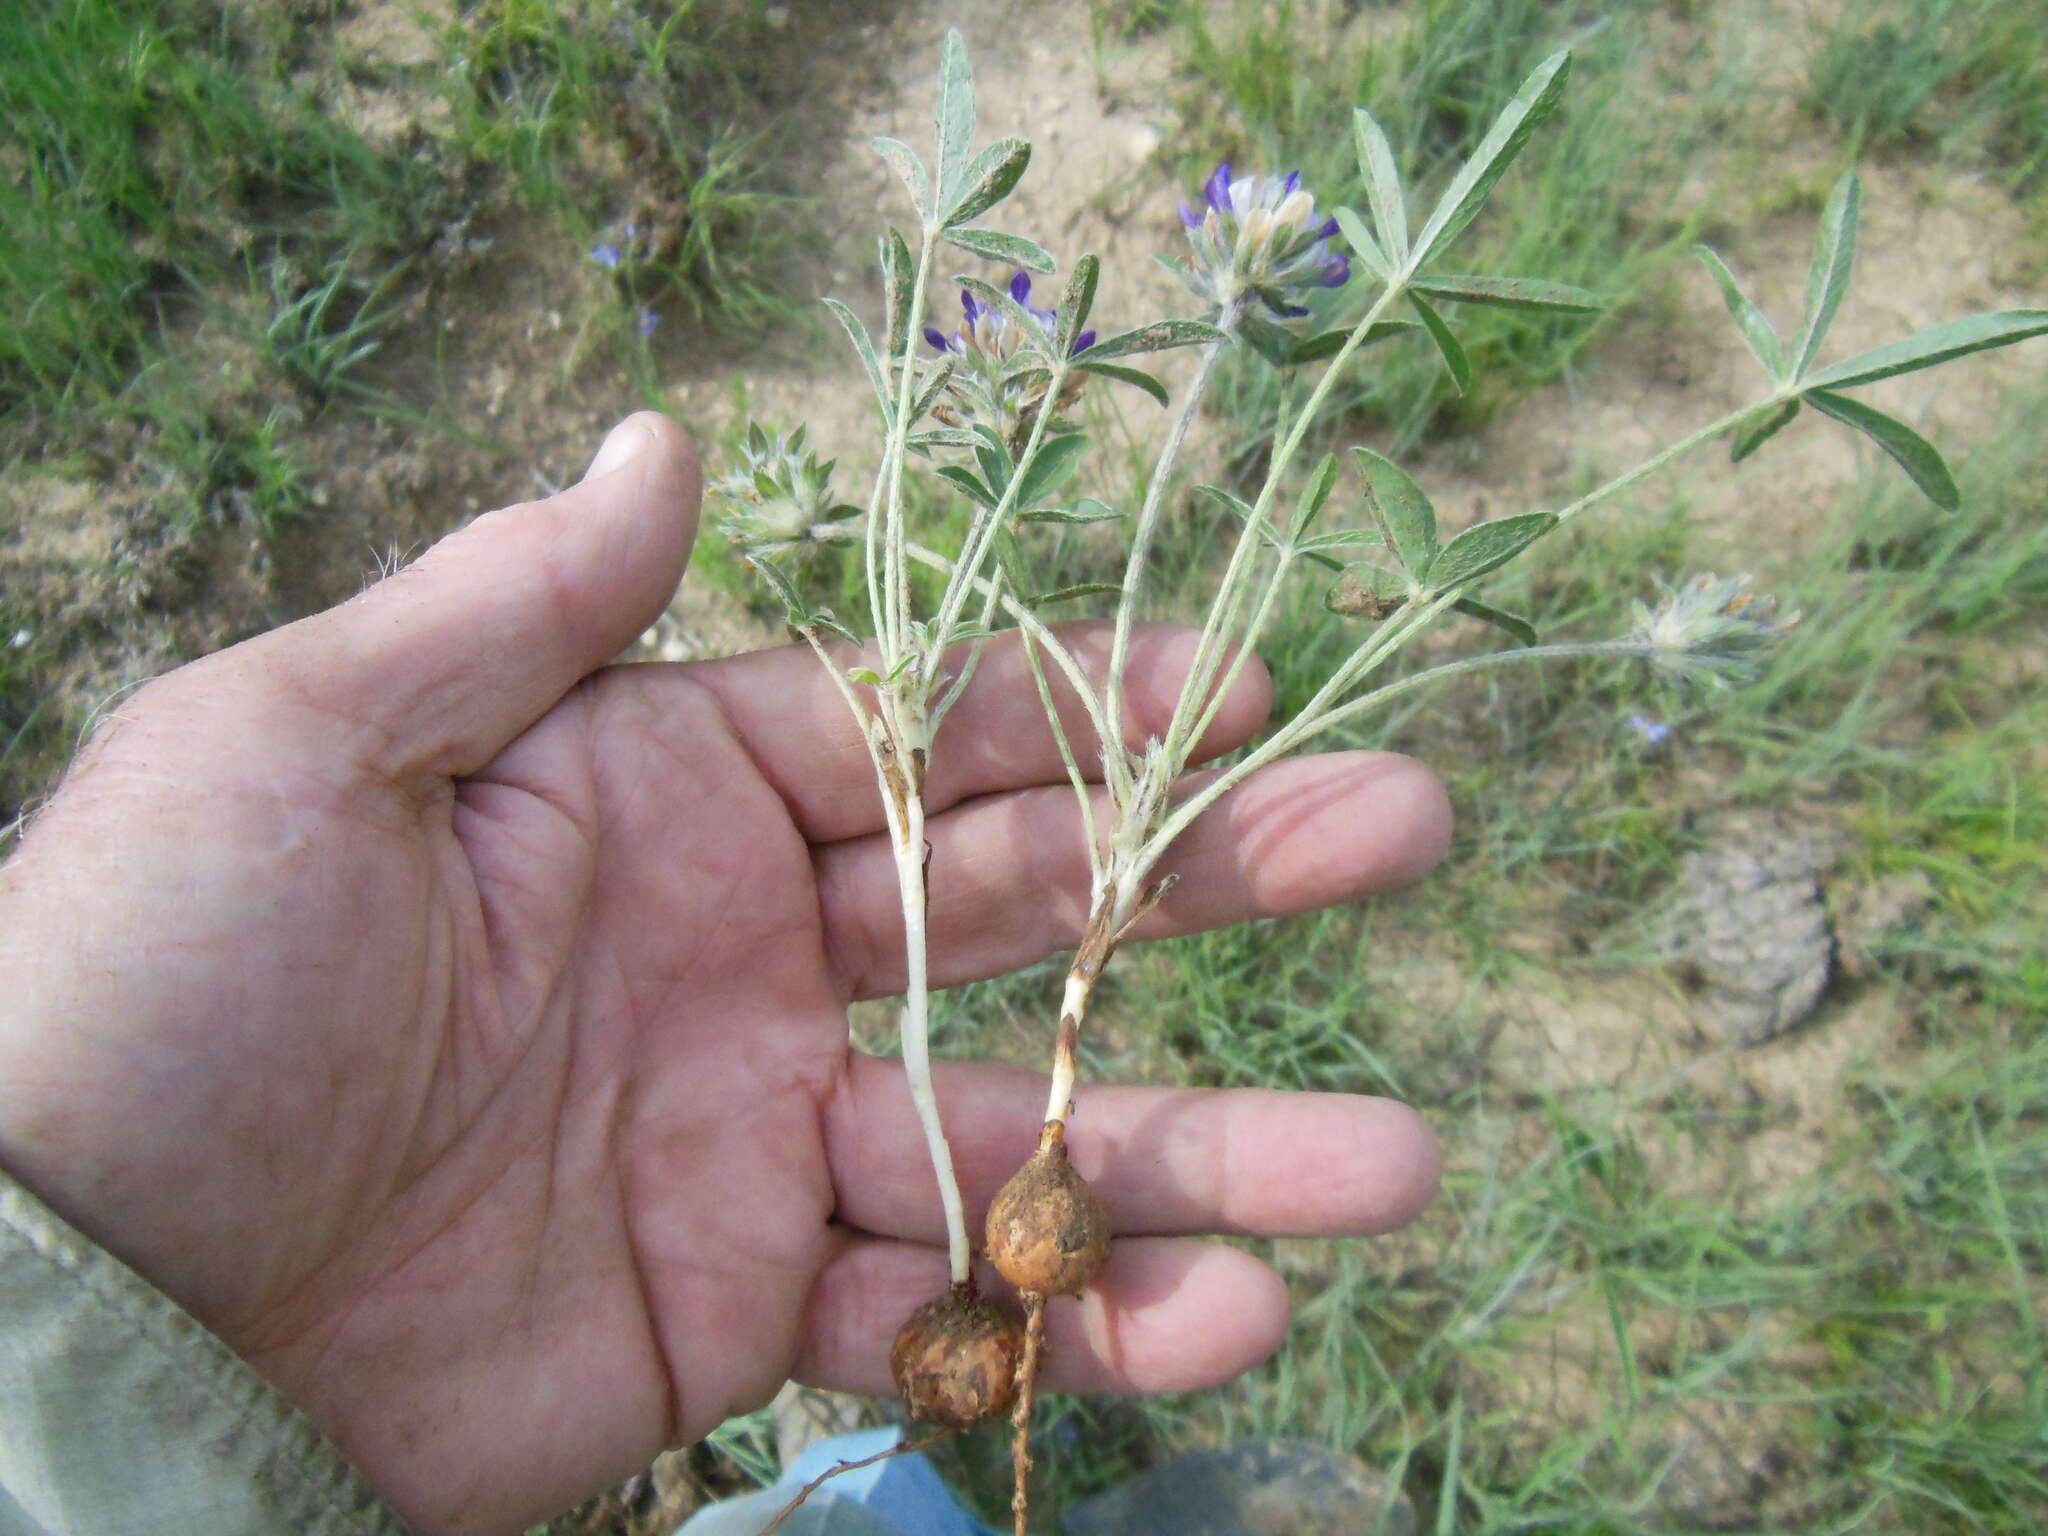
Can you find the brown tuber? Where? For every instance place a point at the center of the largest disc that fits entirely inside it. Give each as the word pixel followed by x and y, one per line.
pixel 955 1360
pixel 1047 1233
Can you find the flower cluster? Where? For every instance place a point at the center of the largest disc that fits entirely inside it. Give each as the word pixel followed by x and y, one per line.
pixel 779 498
pixel 1259 240
pixel 1712 627
pixel 997 383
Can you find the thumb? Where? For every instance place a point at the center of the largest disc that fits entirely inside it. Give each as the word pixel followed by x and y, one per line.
pixel 459 653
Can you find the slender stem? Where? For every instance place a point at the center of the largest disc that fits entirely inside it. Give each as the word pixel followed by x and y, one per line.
pixel 1074 775
pixel 1684 445
pixel 906 829
pixel 1020 1416
pixel 1138 558
pixel 1031 622
pixel 1208 651
pixel 991 601
pixel 895 582
pixel 988 521
pixel 1246 649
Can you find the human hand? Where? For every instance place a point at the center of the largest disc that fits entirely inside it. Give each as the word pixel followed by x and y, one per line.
pixel 456 1024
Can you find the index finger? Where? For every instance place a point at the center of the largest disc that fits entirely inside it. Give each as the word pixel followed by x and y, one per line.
pixel 794 723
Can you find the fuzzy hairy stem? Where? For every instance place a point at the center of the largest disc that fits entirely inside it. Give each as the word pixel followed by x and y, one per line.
pixel 1142 532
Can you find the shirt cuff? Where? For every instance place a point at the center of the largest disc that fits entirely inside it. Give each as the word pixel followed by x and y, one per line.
pixel 120 1415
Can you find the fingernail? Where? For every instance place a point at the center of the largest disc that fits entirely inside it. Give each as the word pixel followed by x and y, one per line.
pixel 625 442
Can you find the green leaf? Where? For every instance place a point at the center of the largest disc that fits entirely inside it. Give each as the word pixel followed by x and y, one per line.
pixel 866 349
pixel 1958 338
pixel 1496 152
pixel 1510 292
pixel 1446 343
pixel 1362 241
pixel 1313 495
pixel 965 478
pixel 1383 194
pixel 903 160
pixel 1752 437
pixel 1339 538
pixel 1079 589
pixel 1075 304
pixel 1156 337
pixel 823 619
pixel 954 119
pixel 1130 376
pixel 1368 592
pixel 943 437
pixel 1485 547
pixel 1274 343
pixel 1398 505
pixel 1330 343
pixel 1916 456
pixel 1086 510
pixel 1756 330
pixel 899 276
pixel 794 608
pixel 988 180
pixel 1515 625
pixel 1235 504
pixel 1049 468
pixel 935 380
pixel 1834 253
pixel 1011 250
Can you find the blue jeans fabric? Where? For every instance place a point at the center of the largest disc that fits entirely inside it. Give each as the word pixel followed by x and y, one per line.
pixel 902 1496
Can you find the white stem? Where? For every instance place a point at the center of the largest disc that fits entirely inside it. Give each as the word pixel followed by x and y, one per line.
pixel 1059 1101
pixel 907 832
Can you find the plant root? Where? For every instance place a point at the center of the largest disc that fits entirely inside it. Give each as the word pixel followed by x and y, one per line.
pixel 1020 1416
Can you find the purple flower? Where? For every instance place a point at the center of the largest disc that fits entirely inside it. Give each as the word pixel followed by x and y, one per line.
pixel 607 255
pixel 1653 732
pixel 986 332
pixel 646 321
pixel 1258 240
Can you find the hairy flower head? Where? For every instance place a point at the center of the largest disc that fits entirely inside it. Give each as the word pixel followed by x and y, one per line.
pixel 779 496
pixel 1260 239
pixel 1711 628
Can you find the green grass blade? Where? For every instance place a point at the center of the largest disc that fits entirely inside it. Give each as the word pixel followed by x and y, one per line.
pixel 1453 354
pixel 1511 293
pixel 1938 344
pixel 1382 187
pixel 1834 255
pixel 1756 330
pixel 1915 455
pixel 1496 152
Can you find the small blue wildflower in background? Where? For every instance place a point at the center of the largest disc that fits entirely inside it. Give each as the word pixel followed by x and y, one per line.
pixel 607 255
pixel 646 322
pixel 1259 241
pixel 1653 732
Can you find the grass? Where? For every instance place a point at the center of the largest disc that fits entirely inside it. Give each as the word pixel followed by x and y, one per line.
pixel 1965 79
pixel 225 238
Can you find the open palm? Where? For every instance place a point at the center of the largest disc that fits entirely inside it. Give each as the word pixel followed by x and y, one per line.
pixel 457 1025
